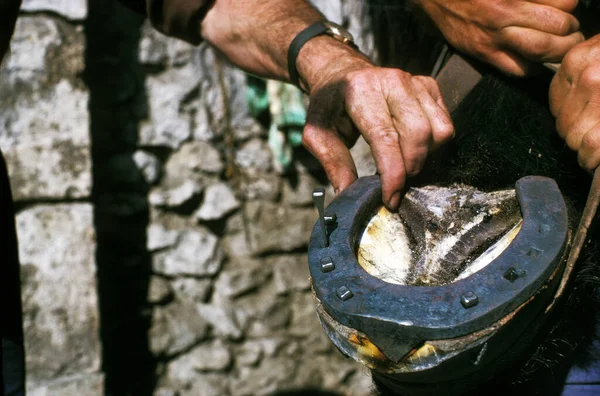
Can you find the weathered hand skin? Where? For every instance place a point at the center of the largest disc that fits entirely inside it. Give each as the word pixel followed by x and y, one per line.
pixel 511 35
pixel 401 116
pixel 575 101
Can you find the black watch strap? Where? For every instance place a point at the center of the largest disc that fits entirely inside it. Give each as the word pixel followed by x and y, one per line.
pixel 313 30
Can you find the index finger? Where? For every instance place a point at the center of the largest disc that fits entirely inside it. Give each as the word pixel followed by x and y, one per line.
pixel 539 46
pixel 564 5
pixel 544 18
pixel 368 109
pixel 331 152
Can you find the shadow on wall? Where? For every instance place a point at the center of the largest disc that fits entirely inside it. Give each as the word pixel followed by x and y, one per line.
pixel 119 195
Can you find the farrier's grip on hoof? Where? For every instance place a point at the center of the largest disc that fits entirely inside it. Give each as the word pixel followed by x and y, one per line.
pixel 381 284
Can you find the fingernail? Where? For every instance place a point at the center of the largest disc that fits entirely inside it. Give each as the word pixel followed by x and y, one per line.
pixel 395 201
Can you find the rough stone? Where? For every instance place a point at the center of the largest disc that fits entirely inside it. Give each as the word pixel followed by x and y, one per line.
pixel 293 349
pixel 233 283
pixel 159 50
pixel 207 385
pixel 44 117
pixel 80 384
pixel 290 273
pixel 359 383
pixel 332 9
pixel 175 197
pixel 32 41
pixel 273 345
pixel 163 391
pixel 253 351
pixel 304 318
pixel 261 185
pixel 167 126
pixel 236 244
pixel 203 131
pixel 240 317
pixel 363 159
pixel 193 158
pixel 56 248
pixel 261 312
pixel 223 103
pixel 275 316
pixel 197 254
pixel 319 343
pixel 54 171
pixel 249 353
pixel 212 356
pixel 197 118
pixel 343 375
pixel 336 379
pixel 245 127
pixel 159 290
pixel 235 223
pixel 191 289
pixel 358 22
pixel 158 237
pixel 255 154
pixel 149 165
pixel 168 219
pixel 252 209
pixel 223 321
pixel 279 228
pixel 309 374
pixel 270 313
pixel 46 143
pixel 75 10
pixel 299 193
pixel 175 328
pixel 270 376
pixel 219 200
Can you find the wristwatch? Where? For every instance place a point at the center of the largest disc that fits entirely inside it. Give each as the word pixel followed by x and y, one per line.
pixel 339 33
pixel 316 29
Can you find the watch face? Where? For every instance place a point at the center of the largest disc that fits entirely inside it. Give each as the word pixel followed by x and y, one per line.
pixel 338 32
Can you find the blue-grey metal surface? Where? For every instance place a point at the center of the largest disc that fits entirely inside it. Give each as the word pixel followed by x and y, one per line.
pixel 397 317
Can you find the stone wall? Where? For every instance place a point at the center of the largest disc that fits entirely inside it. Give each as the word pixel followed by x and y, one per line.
pixel 162 248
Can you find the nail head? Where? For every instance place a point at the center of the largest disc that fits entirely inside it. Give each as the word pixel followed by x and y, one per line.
pixel 327 264
pixel 469 299
pixel 344 293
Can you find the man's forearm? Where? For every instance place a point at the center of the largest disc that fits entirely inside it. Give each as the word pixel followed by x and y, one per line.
pixel 400 116
pixel 9 10
pixel 255 35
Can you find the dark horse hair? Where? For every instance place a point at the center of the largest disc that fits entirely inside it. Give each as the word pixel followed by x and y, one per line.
pixel 504 131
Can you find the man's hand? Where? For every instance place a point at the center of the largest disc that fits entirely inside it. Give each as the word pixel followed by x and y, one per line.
pixel 508 34
pixel 575 101
pixel 401 117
